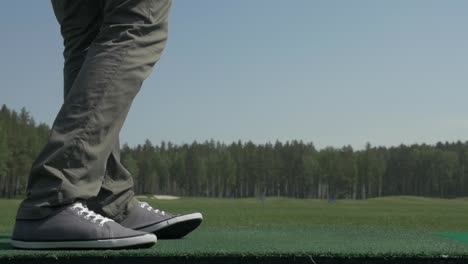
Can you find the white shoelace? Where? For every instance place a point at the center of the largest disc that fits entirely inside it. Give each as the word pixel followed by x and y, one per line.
pixel 88 214
pixel 149 208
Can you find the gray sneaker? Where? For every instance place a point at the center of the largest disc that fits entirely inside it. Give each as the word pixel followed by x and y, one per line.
pixel 164 225
pixel 77 227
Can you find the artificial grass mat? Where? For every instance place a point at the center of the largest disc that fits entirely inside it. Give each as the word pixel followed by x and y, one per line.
pixel 243 228
pixel 320 241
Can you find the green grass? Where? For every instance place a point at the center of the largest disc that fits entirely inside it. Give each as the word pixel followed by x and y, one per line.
pixel 390 226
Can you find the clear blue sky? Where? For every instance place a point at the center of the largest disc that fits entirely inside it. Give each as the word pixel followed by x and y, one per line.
pixel 331 72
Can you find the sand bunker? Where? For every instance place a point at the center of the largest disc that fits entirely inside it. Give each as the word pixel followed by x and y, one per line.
pixel 166 197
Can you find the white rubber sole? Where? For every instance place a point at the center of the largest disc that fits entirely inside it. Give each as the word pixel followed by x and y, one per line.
pixel 129 242
pixel 172 221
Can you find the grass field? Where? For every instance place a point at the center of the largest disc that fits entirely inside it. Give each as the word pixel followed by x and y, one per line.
pixel 390 226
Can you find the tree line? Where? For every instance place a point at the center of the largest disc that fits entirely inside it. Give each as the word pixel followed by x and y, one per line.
pixel 21 139
pixel 244 169
pixel 298 169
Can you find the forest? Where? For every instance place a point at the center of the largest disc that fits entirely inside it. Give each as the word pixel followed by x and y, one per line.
pixel 245 169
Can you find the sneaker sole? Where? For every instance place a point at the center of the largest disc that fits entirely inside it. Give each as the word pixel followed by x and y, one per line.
pixel 144 241
pixel 176 227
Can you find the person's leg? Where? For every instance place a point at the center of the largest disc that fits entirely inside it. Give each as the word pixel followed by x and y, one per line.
pixel 73 163
pixel 71 225
pixel 78 34
pixel 116 195
pixel 116 190
pixel 80 22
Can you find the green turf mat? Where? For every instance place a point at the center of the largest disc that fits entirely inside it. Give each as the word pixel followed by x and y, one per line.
pixel 321 241
pixel 276 228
